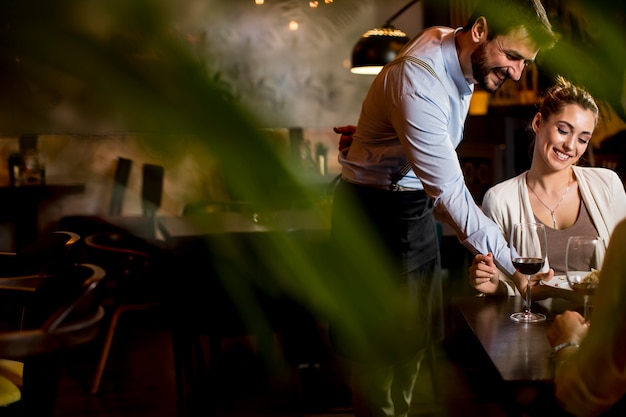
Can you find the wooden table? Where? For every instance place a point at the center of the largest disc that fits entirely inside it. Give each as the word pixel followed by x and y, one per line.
pixel 174 233
pixel 243 222
pixel 520 352
pixel 176 230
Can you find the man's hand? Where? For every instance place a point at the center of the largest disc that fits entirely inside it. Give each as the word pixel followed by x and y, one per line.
pixel 345 140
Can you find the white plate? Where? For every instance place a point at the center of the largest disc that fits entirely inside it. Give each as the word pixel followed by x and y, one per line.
pixel 558 281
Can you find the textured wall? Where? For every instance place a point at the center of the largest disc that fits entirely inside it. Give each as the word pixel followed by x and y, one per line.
pixel 283 78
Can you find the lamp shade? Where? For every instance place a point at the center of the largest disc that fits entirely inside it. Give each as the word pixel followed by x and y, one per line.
pixel 376 48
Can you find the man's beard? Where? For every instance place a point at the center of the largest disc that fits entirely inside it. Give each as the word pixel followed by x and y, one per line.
pixel 482 71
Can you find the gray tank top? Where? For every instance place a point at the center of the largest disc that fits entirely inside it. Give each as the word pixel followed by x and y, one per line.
pixel 557 239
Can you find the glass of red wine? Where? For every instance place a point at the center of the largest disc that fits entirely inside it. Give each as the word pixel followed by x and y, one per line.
pixel 583 260
pixel 528 247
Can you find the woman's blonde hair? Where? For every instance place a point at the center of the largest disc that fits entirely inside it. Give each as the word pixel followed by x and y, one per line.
pixel 564 93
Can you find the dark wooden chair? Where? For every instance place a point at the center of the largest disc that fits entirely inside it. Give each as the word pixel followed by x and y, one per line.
pixel 115 220
pixel 120 181
pixel 26 269
pixel 85 224
pixel 131 284
pixel 62 313
pixel 46 254
pixel 123 246
pixel 151 189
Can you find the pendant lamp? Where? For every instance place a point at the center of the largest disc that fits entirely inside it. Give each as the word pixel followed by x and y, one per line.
pixel 379 46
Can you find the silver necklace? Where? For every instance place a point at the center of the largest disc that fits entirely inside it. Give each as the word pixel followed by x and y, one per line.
pixel 557 204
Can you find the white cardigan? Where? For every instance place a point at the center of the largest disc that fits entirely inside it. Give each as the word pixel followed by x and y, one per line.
pixel 602 193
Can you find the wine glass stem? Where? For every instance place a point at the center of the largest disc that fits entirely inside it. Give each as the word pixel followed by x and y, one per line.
pixel 528 295
pixel 586 308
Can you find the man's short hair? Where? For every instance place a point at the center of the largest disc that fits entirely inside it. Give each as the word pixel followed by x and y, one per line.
pixel 503 16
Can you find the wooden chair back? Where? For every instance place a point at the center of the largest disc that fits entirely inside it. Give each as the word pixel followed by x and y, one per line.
pixel 120 181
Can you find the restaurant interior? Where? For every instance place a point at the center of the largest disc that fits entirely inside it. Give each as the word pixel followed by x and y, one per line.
pixel 177 159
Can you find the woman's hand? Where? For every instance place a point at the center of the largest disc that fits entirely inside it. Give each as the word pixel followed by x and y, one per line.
pixel 483 274
pixel 538 292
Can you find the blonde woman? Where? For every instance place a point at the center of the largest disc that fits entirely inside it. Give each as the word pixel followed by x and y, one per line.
pixel 568 199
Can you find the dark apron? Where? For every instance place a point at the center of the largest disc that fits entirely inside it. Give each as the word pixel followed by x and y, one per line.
pixel 403 222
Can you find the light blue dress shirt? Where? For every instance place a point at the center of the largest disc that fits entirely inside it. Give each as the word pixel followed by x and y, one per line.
pixel 408 114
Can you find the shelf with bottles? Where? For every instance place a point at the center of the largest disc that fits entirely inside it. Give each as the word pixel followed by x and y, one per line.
pixel 26 167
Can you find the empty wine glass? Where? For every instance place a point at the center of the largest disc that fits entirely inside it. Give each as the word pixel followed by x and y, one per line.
pixel 528 247
pixel 583 260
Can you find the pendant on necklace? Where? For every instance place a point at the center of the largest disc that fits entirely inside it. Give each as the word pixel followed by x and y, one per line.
pixel 553 220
